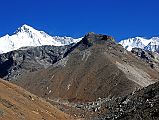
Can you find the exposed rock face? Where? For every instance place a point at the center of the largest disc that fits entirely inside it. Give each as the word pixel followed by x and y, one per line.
pixel 150 57
pixel 96 67
pixel 92 38
pixel 143 54
pixel 141 105
pixel 29 59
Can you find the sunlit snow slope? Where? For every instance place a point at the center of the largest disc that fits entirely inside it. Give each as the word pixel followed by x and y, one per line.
pixel 28 36
pixel 151 44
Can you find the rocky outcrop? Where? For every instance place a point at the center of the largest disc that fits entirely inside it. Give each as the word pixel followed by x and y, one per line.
pixel 146 55
pixel 92 38
pixel 29 59
pixel 152 58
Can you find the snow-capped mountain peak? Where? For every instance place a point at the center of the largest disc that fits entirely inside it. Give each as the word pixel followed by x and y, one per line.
pixel 28 36
pixel 151 44
pixel 133 42
pixel 25 29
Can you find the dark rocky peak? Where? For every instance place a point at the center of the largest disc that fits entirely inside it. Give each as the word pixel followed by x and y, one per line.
pixel 91 38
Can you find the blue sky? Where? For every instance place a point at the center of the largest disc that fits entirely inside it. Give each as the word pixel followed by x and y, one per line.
pixel 119 18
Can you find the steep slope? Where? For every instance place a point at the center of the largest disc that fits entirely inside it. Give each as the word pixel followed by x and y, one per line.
pixel 18 104
pixel 28 36
pixel 151 44
pixel 96 68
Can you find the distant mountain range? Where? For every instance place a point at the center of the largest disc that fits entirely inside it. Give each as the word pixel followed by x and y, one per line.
pixel 27 36
pixel 151 44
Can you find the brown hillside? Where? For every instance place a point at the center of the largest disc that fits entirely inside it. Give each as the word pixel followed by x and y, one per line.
pixel 96 68
pixel 18 104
